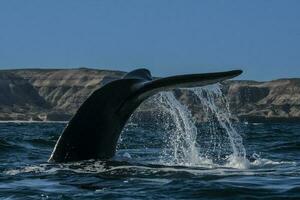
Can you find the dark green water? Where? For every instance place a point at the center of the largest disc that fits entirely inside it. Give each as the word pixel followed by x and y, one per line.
pixel 139 172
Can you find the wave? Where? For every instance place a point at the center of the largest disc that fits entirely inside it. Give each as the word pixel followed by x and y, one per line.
pixel 6 146
pixel 286 147
pixel 128 168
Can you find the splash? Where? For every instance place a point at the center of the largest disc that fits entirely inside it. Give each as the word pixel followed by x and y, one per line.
pixel 218 143
pixel 181 148
pixel 216 105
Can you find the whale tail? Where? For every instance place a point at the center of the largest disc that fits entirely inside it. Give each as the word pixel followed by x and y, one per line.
pixel 94 130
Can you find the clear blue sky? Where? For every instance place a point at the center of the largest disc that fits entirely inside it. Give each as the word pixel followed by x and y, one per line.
pixel 262 37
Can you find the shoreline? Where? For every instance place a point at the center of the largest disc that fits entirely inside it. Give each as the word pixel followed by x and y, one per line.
pixel 51 95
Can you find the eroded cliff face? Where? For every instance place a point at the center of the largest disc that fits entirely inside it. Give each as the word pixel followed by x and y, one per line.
pixel 50 94
pixel 274 100
pixel 56 94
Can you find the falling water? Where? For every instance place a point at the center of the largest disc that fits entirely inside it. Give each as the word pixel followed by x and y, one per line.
pixel 216 105
pixel 181 148
pixel 188 145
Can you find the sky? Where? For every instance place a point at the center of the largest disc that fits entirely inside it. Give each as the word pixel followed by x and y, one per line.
pixel 169 37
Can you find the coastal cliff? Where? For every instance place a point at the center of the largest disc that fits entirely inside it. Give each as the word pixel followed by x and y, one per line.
pixel 56 94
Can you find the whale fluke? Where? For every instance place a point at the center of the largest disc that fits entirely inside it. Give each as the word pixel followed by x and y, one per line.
pixel 94 130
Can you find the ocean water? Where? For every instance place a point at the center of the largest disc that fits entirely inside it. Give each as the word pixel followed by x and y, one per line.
pixel 138 172
pixel 171 157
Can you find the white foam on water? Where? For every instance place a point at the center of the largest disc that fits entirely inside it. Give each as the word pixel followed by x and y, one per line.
pixel 264 162
pixel 88 166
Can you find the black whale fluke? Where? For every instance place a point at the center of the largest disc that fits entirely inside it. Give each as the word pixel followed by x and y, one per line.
pixel 94 130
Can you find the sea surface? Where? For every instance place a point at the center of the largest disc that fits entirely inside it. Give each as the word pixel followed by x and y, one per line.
pixel 148 166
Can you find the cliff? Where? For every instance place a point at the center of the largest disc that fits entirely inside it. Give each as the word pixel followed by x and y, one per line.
pixel 56 94
pixel 276 100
